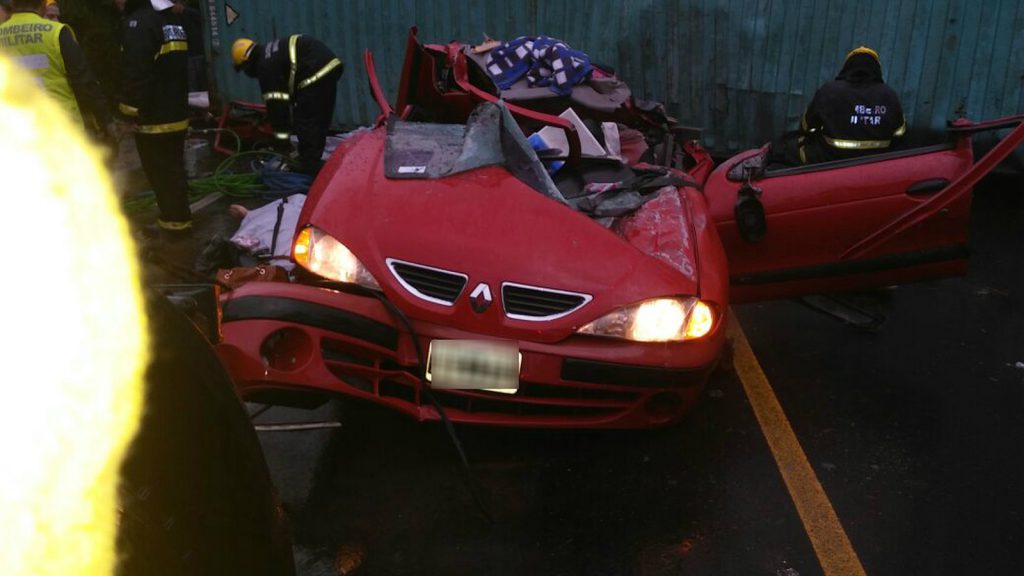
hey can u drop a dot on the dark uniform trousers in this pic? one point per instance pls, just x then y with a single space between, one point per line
312 115
163 159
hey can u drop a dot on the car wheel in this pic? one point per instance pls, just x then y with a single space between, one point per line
196 495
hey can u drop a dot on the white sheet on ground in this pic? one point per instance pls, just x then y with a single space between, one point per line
256 233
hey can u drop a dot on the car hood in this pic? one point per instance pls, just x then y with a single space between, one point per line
489 226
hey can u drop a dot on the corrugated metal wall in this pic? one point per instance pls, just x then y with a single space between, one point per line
741 69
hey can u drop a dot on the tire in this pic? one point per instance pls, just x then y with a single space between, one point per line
196 494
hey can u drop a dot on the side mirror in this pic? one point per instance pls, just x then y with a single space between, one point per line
749 212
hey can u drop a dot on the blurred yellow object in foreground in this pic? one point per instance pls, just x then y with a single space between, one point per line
73 346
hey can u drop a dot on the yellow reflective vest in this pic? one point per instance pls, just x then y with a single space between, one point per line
34 43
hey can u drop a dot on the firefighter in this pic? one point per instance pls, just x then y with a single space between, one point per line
49 51
155 96
298 77
853 115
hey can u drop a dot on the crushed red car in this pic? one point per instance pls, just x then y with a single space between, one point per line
450 265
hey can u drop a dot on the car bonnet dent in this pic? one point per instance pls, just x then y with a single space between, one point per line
661 228
487 225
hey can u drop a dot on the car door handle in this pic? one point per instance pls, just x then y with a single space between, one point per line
925 187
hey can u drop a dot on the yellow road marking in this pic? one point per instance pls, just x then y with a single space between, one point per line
827 536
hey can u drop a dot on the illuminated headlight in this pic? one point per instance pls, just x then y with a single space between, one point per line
658 320
318 252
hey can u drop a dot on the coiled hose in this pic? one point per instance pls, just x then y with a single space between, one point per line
264 177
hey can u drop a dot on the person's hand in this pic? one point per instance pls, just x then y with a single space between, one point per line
111 135
122 127
108 138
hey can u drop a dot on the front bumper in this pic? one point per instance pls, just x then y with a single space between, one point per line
290 338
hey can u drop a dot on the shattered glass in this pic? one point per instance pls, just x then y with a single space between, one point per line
417 150
490 137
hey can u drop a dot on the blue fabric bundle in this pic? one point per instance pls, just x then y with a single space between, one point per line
544 61
279 184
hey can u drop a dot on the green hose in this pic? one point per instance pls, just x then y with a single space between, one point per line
233 185
244 185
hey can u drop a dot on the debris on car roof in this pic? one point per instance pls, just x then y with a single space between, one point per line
490 137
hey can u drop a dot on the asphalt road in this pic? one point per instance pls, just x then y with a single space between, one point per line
916 430
912 430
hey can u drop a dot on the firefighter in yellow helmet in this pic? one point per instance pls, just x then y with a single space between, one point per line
298 77
853 115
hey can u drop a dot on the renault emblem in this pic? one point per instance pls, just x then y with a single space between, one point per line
481 298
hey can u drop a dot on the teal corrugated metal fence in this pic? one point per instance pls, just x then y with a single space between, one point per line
741 69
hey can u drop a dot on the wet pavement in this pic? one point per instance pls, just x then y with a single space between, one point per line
914 431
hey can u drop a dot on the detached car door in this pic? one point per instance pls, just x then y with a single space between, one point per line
831 226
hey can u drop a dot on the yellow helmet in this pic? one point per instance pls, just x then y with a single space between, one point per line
864 50
241 50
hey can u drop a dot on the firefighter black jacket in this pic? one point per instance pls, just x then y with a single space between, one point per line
154 69
271 64
855 113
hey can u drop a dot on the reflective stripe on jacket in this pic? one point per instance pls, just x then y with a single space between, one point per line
155 71
34 42
286 66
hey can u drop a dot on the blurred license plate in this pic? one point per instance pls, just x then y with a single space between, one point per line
474 365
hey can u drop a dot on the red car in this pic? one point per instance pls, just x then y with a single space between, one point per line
445 270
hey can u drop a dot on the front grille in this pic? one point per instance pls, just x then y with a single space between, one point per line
532 303
541 391
474 402
431 284
595 372
382 376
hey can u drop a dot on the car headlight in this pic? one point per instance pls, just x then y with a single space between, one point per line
318 252
658 320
